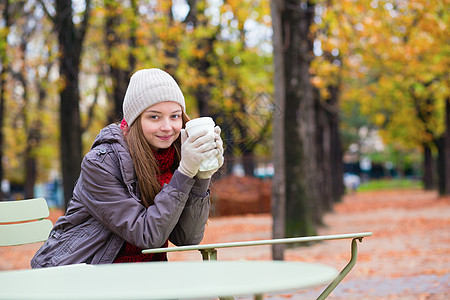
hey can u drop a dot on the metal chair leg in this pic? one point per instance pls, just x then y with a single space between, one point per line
211 254
344 271
208 254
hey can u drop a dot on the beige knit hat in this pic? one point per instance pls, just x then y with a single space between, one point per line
148 87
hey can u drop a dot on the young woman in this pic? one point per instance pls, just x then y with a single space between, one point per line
139 185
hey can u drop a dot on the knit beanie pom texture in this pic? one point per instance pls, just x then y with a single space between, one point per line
148 87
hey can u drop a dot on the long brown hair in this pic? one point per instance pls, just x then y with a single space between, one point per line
145 164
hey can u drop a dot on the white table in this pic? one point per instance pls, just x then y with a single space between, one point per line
162 280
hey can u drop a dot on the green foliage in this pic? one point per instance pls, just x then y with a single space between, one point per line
29 96
389 184
388 59
217 58
406 58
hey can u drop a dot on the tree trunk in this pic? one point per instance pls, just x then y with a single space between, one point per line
336 152
33 138
2 122
32 131
30 174
440 143
337 164
278 181
4 66
120 77
70 45
302 191
248 162
202 93
228 140
295 190
443 144
446 189
323 161
70 135
245 144
428 168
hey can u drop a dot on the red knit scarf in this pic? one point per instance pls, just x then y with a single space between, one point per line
129 252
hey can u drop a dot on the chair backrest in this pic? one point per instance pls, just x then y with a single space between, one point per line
24 222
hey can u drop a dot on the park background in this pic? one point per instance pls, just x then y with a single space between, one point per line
308 93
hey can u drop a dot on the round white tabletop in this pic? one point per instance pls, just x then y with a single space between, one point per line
162 280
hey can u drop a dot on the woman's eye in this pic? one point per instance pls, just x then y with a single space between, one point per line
176 116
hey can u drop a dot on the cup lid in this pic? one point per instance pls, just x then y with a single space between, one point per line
199 121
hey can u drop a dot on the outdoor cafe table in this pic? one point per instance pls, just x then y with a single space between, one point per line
209 251
162 280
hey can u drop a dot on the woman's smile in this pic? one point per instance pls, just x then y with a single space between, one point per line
164 137
161 124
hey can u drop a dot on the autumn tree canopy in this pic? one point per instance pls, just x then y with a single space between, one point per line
384 61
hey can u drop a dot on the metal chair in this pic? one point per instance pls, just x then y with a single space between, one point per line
24 222
209 252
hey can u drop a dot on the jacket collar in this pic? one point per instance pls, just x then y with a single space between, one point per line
113 135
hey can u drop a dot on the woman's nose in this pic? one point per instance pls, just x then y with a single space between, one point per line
166 125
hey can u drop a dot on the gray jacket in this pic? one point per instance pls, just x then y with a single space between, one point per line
106 210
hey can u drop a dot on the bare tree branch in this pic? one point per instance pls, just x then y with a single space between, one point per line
84 24
47 13
91 110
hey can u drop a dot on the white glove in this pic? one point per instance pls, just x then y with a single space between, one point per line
219 155
194 149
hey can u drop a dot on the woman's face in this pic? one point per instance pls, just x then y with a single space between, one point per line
161 124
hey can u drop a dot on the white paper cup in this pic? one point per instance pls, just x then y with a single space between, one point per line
196 125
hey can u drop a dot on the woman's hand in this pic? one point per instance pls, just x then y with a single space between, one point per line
219 146
194 149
